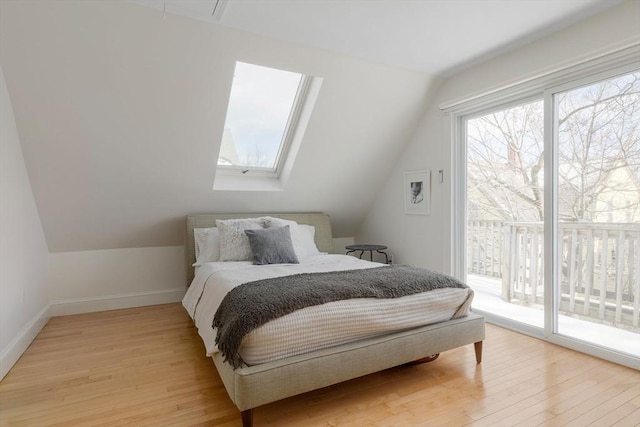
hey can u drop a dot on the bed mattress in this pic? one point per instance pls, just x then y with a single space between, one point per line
315 327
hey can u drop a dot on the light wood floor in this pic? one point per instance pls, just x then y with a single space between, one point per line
146 367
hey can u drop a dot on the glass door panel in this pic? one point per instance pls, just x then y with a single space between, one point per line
598 224
505 212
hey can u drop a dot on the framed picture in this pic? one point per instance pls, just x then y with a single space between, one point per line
417 192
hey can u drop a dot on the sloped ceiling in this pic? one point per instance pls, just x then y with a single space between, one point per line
120 110
432 36
120 113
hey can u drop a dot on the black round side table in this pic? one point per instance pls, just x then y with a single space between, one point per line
368 248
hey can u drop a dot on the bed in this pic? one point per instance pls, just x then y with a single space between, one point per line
270 376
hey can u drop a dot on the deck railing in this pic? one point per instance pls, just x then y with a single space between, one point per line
599 266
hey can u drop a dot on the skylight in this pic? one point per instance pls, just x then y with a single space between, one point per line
260 118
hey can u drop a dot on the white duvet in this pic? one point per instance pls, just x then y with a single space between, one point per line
316 327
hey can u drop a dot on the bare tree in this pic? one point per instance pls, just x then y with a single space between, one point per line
505 162
598 147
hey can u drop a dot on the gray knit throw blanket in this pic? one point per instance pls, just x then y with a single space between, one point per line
251 305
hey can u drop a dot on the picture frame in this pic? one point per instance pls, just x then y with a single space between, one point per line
417 192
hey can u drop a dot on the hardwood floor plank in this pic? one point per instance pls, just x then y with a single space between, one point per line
616 415
146 367
629 421
605 406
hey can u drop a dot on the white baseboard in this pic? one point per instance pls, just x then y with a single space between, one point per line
10 355
115 302
12 352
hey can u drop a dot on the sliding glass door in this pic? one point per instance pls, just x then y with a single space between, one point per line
552 198
505 212
597 138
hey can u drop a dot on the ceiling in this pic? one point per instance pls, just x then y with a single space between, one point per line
438 37
120 108
120 113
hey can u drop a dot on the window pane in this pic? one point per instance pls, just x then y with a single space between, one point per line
259 108
598 141
505 212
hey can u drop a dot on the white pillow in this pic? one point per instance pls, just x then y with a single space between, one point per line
234 244
307 234
302 236
207 243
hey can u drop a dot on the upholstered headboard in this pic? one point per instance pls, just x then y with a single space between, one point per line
322 223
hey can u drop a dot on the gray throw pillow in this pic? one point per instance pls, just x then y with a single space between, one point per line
272 246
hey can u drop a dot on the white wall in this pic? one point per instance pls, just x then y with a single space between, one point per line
23 249
427 240
121 111
87 281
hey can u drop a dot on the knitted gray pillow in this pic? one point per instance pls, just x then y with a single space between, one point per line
234 245
272 246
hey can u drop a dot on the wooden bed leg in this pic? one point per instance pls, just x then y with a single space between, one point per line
478 348
247 418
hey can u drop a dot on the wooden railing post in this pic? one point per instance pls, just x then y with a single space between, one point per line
636 288
604 259
506 263
619 274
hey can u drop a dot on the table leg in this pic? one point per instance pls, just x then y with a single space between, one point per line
386 257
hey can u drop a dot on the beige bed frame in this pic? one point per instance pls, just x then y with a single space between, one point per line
252 386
